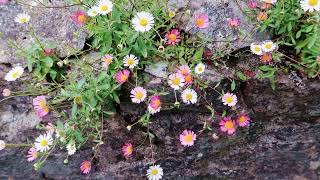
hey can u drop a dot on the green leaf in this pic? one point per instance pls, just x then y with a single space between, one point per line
74 110
241 76
233 85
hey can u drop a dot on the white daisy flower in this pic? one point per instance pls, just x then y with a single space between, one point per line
155 172
2 145
71 148
105 6
199 69
310 5
143 21
229 99
138 95
270 1
256 49
189 96
94 11
176 81
14 73
43 142
22 18
268 46
130 61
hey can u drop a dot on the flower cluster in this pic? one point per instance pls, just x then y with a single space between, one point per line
229 126
264 50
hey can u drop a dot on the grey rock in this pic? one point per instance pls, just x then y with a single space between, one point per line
158 69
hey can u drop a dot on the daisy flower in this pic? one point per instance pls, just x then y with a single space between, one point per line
233 22
270 1
40 106
107 60
155 172
79 17
268 46
94 11
32 154
2 145
154 105
105 6
6 92
201 21
310 5
176 81
189 96
138 95
43 142
172 14
262 16
85 167
14 74
199 69
256 49
266 57
243 120
143 21
173 37
188 79
22 18
227 125
253 4
130 61
127 149
229 99
187 138
71 148
122 76
184 70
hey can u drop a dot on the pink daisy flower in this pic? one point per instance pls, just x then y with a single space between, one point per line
40 106
187 138
243 120
184 70
3 1
138 95
253 4
173 37
227 125
107 60
188 79
122 76
79 17
154 105
85 167
201 20
229 99
266 58
233 22
32 154
127 149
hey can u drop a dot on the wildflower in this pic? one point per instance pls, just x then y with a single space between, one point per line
2 145
188 79
127 149
71 148
266 6
262 16
256 49
199 69
155 105
14 74
107 60
43 142
270 1
189 96
3 1
6 92
243 120
184 70
268 46
79 17
201 21
173 37
48 52
161 48
85 167
233 22
143 21
22 18
122 76
130 61
172 14
310 5
105 6
266 57
50 128
229 99
40 106
187 138
253 4
94 11
227 125
176 81
155 172
138 95
32 154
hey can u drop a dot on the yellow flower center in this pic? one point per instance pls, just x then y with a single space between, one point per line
81 18
172 37
139 95
43 105
257 49
229 125
15 74
157 103
23 20
188 78
200 69
189 96
313 2
44 143
123 77
130 61
154 172
268 46
242 119
188 138
129 149
172 14
143 22
176 81
229 99
104 8
200 22
86 165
